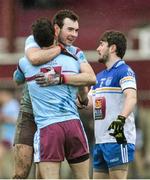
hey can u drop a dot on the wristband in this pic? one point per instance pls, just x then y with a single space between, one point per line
63 79
122 118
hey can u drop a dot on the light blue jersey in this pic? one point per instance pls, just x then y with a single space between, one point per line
56 103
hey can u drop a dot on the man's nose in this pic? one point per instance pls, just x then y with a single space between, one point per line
74 33
98 49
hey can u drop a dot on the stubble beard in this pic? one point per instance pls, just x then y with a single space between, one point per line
103 59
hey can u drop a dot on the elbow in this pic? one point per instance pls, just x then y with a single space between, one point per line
90 80
135 101
33 59
93 80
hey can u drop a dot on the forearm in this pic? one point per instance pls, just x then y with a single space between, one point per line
83 92
39 56
81 79
129 105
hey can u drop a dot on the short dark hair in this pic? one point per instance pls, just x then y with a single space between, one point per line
43 32
62 14
117 38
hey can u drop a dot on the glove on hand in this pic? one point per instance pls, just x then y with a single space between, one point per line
118 126
120 137
49 78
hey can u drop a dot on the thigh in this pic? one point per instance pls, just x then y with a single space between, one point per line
80 170
37 171
76 144
25 129
49 170
119 172
100 175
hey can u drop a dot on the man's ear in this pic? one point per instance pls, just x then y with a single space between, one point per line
57 30
113 48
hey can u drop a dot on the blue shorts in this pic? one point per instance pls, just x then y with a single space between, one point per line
108 155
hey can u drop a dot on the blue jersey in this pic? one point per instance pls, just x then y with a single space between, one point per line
108 101
55 103
30 43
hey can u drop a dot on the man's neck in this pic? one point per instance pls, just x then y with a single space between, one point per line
112 61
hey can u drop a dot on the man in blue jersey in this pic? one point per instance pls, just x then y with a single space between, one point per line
113 99
76 160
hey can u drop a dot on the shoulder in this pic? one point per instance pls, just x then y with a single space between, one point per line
100 74
75 50
23 62
29 38
125 70
30 43
22 59
78 53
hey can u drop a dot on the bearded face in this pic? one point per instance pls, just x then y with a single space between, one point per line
103 51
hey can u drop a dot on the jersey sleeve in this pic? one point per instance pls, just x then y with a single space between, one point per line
78 53
30 43
127 79
81 57
18 75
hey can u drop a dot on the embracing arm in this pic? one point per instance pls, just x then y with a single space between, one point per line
86 77
38 56
82 93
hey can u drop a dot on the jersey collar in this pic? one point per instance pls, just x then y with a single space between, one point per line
117 64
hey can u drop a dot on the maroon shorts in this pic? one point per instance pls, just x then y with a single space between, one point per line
64 139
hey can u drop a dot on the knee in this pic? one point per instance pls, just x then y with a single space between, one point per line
20 176
21 173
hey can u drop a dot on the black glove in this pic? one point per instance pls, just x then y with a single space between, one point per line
120 137
66 52
118 126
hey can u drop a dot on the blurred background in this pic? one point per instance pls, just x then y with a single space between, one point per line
129 16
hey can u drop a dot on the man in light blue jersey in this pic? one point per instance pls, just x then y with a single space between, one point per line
59 130
113 99
66 30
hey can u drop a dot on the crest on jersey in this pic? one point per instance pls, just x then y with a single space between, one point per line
108 81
